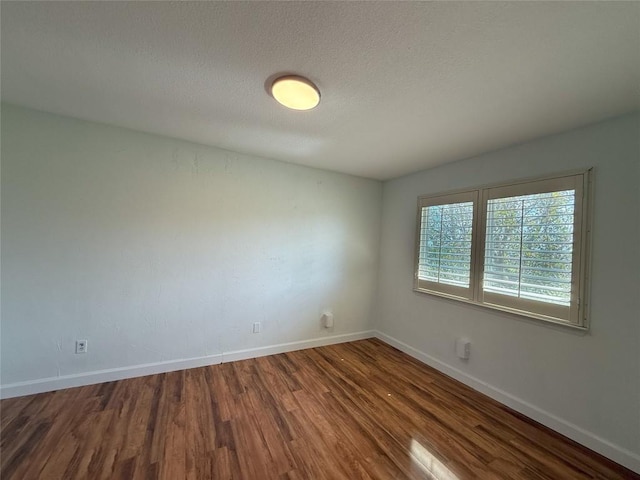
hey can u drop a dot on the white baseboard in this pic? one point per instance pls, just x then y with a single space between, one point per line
20 389
291 346
616 453
31 387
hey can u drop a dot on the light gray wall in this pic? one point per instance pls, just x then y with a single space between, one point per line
591 381
156 249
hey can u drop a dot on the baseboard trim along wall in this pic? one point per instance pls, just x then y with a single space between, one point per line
588 439
290 347
31 387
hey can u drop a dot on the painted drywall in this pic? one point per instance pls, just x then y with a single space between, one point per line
156 250
162 253
590 381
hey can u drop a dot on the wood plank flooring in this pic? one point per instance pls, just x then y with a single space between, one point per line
360 410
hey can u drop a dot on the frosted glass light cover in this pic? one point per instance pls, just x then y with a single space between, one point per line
296 93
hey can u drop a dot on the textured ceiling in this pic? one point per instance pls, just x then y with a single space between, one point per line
405 86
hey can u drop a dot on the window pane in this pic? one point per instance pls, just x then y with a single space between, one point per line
529 246
445 244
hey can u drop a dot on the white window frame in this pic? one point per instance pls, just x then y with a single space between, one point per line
576 314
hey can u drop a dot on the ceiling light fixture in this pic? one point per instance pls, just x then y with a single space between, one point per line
297 93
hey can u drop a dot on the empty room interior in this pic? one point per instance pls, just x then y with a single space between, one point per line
320 240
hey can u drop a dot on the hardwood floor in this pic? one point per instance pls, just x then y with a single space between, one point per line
350 411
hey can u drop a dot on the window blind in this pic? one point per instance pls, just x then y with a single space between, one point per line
445 244
529 246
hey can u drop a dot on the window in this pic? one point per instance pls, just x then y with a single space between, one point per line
445 246
520 247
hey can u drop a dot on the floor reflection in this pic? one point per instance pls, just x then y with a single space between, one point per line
429 464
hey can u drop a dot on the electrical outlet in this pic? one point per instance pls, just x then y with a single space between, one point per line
81 346
256 327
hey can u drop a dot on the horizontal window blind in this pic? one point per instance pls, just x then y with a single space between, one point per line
445 244
529 246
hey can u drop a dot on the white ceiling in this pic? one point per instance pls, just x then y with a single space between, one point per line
405 86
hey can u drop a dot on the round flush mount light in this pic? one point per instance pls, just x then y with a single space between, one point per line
297 93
